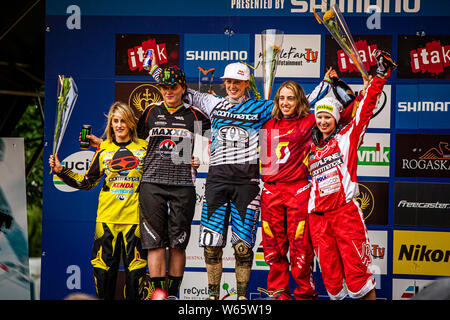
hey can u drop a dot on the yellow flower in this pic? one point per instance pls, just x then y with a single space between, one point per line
276 48
328 15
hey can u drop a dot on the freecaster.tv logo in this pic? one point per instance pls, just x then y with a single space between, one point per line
136 54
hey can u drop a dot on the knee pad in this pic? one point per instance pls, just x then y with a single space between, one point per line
213 255
243 255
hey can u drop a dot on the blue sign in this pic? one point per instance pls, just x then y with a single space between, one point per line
214 51
424 106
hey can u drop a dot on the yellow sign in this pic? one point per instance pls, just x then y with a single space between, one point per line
421 252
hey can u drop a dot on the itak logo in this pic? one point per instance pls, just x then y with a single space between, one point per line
432 58
374 156
367 53
136 54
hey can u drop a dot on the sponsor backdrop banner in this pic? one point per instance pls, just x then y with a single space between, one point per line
422 204
425 106
422 155
366 46
426 56
421 253
404 156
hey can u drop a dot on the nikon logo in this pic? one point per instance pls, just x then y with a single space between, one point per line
422 253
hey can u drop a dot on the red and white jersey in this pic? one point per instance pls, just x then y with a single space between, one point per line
333 165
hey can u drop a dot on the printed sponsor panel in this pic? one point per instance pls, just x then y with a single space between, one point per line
422 204
264 8
366 46
131 48
195 286
78 162
373 200
423 57
379 245
406 289
196 259
374 155
421 253
213 51
423 106
381 118
422 155
138 95
299 56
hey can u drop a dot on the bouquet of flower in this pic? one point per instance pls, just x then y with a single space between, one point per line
252 82
334 21
67 96
271 41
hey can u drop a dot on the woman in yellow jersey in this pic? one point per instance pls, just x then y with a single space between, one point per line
119 159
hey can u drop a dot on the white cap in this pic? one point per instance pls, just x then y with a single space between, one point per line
236 70
330 105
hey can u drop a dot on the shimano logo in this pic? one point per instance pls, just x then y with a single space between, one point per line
216 55
423 106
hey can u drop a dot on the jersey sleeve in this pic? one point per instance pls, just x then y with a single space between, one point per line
319 92
142 130
204 101
87 181
367 105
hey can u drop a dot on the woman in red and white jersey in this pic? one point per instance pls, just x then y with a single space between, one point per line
336 223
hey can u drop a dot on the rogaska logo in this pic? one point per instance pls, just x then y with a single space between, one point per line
435 158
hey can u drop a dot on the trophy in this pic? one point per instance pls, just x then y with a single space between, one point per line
334 21
67 96
271 41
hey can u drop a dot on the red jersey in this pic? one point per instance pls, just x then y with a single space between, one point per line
333 165
285 149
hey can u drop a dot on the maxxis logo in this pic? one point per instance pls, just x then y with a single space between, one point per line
78 162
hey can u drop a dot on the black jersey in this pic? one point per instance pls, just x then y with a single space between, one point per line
171 142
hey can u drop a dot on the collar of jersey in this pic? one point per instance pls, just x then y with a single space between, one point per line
173 109
121 144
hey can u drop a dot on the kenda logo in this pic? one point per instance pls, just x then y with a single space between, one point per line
374 156
78 162
216 55
423 106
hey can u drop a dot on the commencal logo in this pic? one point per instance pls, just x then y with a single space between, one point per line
374 156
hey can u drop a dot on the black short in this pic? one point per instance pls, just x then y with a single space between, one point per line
166 214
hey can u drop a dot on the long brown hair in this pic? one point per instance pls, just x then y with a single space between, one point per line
127 114
302 108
